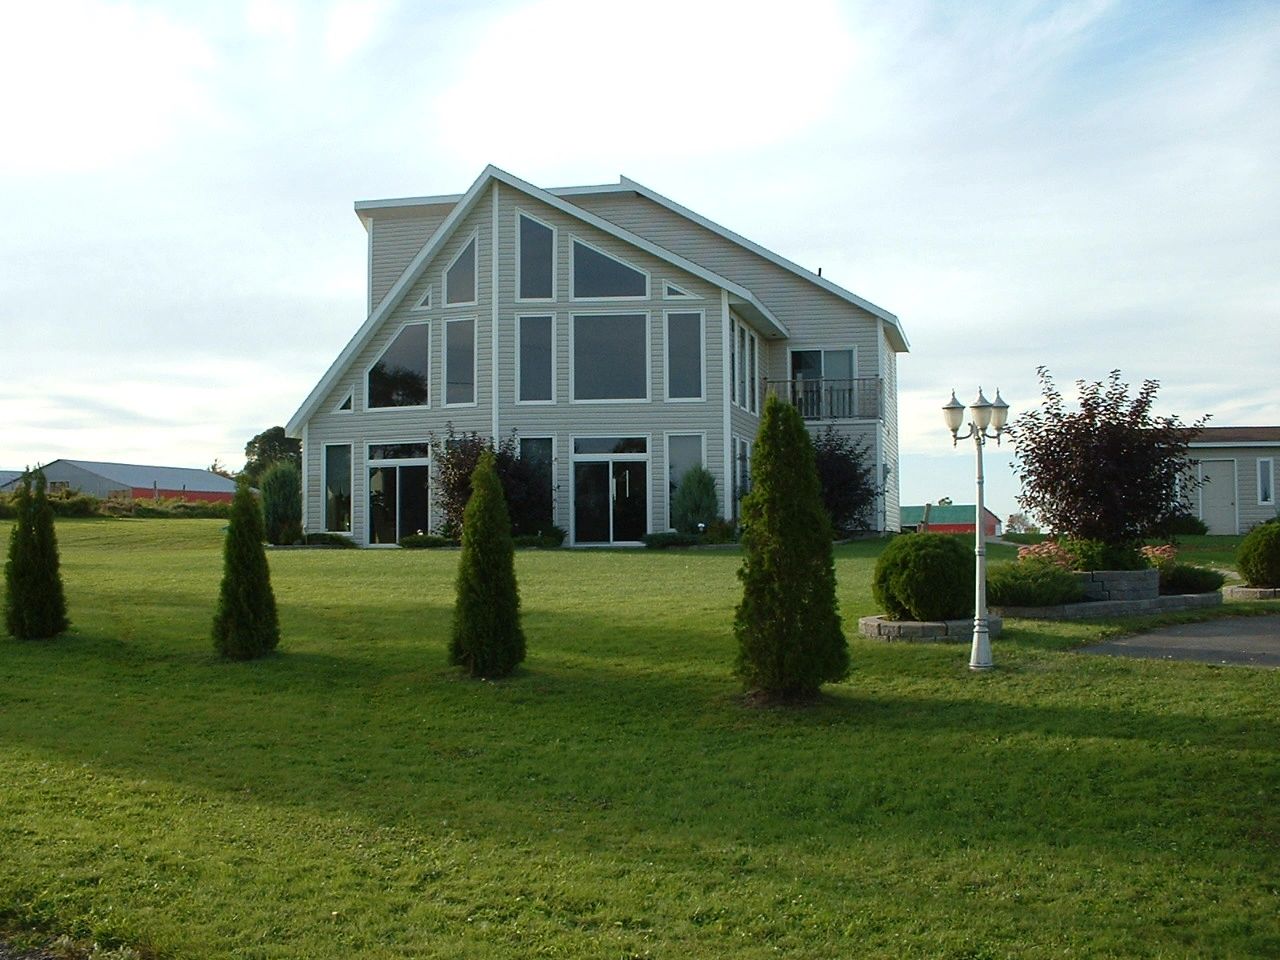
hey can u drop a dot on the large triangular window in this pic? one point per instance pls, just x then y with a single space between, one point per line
460 278
400 376
597 275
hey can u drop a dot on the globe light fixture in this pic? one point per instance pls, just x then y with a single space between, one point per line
987 421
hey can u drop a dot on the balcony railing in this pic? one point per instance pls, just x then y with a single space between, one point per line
858 399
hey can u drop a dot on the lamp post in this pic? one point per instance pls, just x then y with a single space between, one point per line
983 415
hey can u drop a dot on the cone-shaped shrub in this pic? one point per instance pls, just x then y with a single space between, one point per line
694 501
245 625
788 627
35 605
486 639
282 503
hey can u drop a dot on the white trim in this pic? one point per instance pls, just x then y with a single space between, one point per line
422 406
626 184
1271 470
408 202
666 462
494 256
648 359
445 231
351 486
573 280
609 458
382 463
666 356
532 315
306 452
424 301
555 248
726 381
475 273
1227 444
369 270
475 362
680 294
1235 485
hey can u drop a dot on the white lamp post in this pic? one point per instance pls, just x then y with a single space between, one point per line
983 415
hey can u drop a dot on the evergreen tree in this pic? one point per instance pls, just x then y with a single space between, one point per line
282 503
35 605
790 641
695 501
245 625
486 638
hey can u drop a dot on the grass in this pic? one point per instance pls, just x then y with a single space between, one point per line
354 797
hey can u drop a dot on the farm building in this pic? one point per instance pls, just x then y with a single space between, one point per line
1237 467
947 518
133 481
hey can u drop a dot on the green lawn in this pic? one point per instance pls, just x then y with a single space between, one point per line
354 797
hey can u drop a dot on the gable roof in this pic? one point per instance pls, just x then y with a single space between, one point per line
8 476
744 301
627 185
136 475
1236 435
946 513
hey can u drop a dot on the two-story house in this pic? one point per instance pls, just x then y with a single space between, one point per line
621 336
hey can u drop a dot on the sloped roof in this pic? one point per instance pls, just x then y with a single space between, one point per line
165 478
942 513
1237 435
745 302
8 476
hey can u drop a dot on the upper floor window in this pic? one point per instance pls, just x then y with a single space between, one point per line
671 292
744 367
1266 481
460 361
424 301
597 275
684 356
611 357
536 259
400 376
460 278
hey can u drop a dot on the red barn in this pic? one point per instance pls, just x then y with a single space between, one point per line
948 518
133 481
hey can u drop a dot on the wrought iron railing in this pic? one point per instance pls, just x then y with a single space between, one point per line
858 399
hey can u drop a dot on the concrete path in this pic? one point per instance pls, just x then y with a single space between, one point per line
1242 641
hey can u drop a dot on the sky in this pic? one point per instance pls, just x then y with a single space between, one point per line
1086 185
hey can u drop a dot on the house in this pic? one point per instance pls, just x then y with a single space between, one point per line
132 481
622 337
948 518
1238 468
7 477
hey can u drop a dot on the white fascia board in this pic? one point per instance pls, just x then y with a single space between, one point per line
387 304
407 202
626 184
1227 444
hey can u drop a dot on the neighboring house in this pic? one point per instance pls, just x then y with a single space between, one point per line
620 336
948 518
132 481
1238 468
8 476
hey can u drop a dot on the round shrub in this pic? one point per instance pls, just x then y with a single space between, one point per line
1032 583
1179 578
1096 555
1258 557
925 576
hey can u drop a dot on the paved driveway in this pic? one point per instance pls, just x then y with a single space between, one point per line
1243 641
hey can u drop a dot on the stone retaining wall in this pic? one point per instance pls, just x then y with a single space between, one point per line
917 631
1120 584
1251 593
1114 608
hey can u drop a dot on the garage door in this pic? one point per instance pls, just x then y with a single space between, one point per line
1218 495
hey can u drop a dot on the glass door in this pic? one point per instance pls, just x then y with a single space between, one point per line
591 502
630 514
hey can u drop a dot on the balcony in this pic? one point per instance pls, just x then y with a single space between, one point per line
858 399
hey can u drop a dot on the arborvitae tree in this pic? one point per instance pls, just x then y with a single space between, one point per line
486 639
35 605
245 625
694 501
282 503
790 641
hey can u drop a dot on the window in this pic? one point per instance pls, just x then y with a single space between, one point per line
460 361
753 376
536 260
740 380
824 385
610 445
535 371
460 278
597 275
345 405
400 376
671 292
540 453
611 357
419 450
1266 481
741 473
337 487
424 302
684 452
684 356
